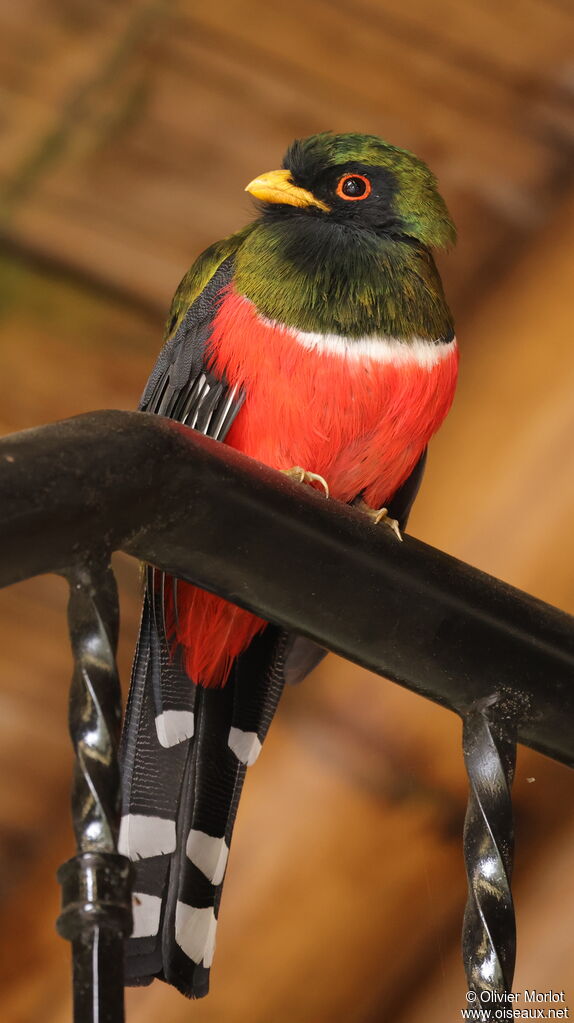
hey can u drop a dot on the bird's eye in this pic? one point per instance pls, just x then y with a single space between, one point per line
353 186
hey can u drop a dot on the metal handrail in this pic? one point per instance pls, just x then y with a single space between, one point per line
73 492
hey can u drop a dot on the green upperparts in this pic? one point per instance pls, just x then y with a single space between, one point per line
342 244
199 275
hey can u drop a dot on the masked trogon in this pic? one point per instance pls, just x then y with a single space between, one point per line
318 337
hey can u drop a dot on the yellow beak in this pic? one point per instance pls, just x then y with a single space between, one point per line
277 186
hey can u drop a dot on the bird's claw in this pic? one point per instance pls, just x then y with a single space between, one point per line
303 476
382 515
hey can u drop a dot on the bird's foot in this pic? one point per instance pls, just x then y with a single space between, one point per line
377 515
302 476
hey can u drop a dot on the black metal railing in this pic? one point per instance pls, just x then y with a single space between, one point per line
74 492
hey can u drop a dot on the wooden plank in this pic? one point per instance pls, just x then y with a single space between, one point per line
523 41
136 186
65 350
58 62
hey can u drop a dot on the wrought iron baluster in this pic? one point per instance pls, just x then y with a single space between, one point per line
489 930
96 903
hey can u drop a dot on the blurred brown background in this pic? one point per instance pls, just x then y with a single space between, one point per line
129 130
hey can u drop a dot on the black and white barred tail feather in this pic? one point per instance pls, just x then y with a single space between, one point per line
181 801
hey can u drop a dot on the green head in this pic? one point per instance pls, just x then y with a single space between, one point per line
360 181
344 240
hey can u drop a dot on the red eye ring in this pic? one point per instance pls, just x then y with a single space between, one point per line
357 178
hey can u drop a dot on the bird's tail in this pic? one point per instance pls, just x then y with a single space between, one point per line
185 750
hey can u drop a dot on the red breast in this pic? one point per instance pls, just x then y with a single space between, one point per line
357 412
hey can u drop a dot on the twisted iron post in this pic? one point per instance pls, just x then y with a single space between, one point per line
96 903
489 930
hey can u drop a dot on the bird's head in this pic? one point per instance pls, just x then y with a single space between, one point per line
361 181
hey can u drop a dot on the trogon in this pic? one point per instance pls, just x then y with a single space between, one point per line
316 339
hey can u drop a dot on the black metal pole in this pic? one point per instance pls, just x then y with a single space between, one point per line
96 900
489 928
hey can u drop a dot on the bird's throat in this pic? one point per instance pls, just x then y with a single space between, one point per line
316 276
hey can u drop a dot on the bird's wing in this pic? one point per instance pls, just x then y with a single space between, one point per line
402 501
184 748
181 386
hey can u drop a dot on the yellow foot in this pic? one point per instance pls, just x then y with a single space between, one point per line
380 515
302 476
